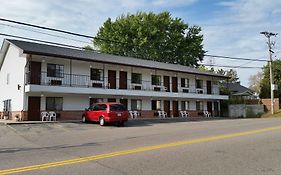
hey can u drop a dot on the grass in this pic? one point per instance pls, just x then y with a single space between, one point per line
268 114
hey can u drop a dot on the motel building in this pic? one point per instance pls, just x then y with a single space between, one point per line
38 77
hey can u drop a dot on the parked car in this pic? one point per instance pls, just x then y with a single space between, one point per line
106 113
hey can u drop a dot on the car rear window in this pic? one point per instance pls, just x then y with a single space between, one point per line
117 107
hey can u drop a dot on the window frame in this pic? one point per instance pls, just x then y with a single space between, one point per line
156 80
138 80
138 105
186 82
57 71
54 106
186 105
201 84
99 72
201 106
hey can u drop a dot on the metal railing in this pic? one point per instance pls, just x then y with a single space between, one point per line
75 80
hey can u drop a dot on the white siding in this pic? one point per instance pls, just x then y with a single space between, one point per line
13 66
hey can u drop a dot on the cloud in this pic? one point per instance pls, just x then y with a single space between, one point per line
236 32
233 30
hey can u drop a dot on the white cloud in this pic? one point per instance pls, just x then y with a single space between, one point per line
234 31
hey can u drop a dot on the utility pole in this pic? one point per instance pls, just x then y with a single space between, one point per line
268 35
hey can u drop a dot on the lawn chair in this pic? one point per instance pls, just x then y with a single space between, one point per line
44 116
52 116
206 114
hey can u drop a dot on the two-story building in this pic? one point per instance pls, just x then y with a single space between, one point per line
38 77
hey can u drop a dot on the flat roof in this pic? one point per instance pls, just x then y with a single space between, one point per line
86 55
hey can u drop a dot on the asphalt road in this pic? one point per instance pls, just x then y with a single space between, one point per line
219 147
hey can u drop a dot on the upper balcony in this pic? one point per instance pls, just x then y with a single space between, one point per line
74 80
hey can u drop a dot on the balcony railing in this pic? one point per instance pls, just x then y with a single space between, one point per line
74 80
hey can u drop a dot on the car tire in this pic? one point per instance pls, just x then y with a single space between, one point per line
84 120
102 121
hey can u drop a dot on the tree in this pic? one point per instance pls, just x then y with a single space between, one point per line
157 37
265 82
232 74
255 81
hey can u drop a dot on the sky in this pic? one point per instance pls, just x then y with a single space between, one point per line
230 27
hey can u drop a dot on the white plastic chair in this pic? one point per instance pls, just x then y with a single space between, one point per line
136 114
44 116
184 114
52 116
132 114
207 114
162 114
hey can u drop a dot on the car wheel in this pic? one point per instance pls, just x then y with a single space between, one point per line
102 122
84 120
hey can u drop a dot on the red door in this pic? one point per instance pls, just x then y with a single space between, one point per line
34 108
112 79
123 80
167 83
35 72
174 84
175 108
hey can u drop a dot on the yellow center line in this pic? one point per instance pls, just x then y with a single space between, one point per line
131 151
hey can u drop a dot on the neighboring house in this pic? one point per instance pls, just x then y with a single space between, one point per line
240 92
38 77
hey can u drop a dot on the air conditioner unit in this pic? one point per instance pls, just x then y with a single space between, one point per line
185 90
137 87
199 91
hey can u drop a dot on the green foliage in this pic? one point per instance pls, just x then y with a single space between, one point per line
232 74
265 82
157 37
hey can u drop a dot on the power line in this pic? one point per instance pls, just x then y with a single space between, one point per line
21 28
43 41
227 66
233 58
111 41
80 48
59 30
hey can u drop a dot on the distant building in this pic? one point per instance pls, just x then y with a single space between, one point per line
240 92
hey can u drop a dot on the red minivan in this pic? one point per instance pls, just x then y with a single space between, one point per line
106 113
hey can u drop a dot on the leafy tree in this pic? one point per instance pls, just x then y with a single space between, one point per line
265 82
255 81
152 36
230 73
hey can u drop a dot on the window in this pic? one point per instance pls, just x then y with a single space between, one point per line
184 105
55 70
95 100
156 80
99 107
117 107
156 104
136 104
96 74
199 84
7 105
54 103
199 106
185 82
136 78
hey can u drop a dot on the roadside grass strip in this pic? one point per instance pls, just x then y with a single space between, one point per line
132 151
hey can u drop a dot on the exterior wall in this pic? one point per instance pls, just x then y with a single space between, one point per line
83 68
74 105
242 110
13 67
267 104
